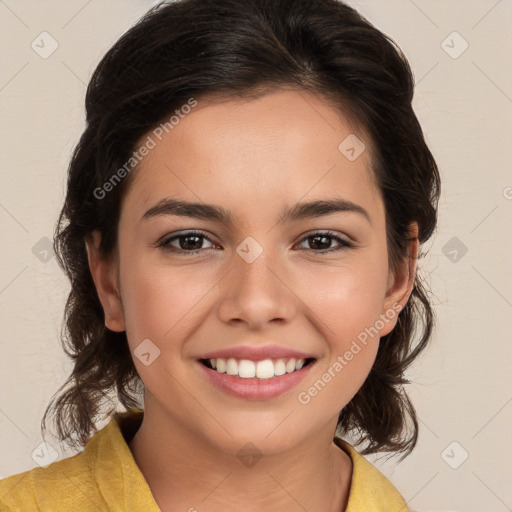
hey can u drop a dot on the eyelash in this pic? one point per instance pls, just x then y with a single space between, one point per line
344 244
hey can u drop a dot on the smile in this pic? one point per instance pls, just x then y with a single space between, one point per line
248 369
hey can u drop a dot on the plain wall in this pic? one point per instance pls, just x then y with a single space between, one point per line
462 386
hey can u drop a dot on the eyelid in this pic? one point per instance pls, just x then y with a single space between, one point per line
330 232
164 241
345 242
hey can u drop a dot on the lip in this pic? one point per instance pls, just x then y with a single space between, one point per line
254 389
257 353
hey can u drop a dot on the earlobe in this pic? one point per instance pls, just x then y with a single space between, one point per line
401 282
103 272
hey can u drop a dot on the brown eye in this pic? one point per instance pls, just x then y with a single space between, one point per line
187 242
321 242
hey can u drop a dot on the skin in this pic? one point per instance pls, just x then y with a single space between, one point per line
253 157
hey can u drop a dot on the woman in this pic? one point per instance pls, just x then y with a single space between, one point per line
241 229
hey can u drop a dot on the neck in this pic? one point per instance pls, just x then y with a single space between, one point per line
186 472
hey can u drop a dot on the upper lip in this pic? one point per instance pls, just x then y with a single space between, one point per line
256 353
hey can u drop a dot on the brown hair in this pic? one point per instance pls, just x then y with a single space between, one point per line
235 48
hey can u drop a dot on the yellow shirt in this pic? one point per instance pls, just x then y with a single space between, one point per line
105 477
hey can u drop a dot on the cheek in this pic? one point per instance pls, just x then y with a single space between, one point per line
348 300
159 302
347 304
347 316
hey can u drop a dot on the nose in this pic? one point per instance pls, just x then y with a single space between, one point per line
257 293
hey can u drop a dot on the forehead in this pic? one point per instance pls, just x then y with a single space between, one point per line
254 153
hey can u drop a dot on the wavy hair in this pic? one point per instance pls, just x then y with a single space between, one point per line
242 48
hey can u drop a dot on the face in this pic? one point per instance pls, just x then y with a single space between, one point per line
255 276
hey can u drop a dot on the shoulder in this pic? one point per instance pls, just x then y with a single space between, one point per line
370 490
41 488
103 476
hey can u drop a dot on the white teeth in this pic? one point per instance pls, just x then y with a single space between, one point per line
290 366
265 369
279 367
220 365
248 369
231 366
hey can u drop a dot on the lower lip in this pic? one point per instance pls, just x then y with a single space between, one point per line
255 389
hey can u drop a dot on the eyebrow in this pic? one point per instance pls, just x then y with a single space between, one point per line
319 208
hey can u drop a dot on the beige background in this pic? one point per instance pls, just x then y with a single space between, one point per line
462 386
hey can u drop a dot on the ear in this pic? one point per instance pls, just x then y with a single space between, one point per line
104 274
401 283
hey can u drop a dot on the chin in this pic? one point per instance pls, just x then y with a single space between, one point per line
264 437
